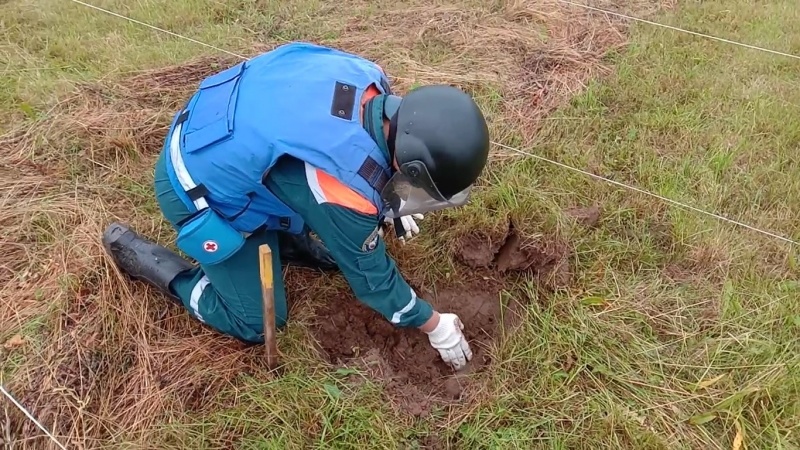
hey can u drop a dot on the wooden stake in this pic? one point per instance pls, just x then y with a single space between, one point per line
268 304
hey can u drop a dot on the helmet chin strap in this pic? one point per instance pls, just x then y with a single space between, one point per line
392 135
390 107
375 111
374 114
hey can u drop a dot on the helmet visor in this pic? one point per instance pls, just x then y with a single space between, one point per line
411 191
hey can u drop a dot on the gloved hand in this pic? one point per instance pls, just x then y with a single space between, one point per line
448 339
409 224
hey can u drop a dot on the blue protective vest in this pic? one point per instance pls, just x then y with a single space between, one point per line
299 99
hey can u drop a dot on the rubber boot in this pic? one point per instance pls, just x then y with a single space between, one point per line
305 251
143 259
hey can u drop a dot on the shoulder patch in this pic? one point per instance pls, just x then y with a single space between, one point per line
344 99
371 241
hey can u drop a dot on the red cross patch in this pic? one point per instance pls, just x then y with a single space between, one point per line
210 246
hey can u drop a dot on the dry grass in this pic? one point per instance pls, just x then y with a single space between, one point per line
108 359
532 54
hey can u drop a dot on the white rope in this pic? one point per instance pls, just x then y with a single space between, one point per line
642 191
607 180
682 30
580 5
157 28
30 416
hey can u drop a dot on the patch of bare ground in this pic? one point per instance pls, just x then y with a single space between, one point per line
587 216
545 258
413 375
111 359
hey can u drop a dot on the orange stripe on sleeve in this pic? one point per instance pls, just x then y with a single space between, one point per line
340 194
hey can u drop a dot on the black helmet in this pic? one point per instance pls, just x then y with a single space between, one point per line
440 140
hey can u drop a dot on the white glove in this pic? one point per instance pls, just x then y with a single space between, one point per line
409 224
448 339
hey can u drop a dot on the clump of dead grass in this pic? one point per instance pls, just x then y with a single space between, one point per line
531 54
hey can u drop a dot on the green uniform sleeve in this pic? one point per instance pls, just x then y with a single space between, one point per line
352 239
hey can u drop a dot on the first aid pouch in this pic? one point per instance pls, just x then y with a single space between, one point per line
208 238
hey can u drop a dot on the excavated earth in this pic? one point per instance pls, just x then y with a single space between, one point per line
411 371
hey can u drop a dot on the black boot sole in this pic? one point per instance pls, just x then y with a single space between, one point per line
142 259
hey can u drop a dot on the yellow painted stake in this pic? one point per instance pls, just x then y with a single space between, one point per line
268 304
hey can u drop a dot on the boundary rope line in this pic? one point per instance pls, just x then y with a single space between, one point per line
30 416
158 29
651 194
682 30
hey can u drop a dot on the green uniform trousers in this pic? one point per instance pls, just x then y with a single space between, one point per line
225 296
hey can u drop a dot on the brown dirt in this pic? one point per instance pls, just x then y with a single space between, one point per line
588 217
478 249
545 258
413 373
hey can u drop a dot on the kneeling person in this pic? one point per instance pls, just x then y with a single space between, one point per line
305 138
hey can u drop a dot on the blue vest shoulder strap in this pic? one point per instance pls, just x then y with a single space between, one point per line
300 99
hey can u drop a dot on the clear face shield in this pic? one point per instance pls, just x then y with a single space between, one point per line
411 191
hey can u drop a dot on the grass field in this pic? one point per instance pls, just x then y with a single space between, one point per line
653 328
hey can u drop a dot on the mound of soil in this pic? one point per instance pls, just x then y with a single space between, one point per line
588 217
546 259
478 249
411 370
